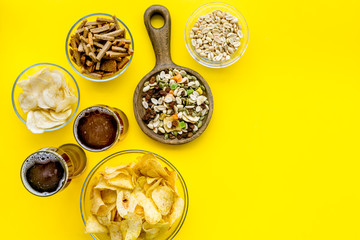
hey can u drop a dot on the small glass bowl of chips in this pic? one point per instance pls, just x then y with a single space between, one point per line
116 161
42 93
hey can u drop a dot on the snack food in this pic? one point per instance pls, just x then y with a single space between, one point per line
97 128
47 99
176 104
100 47
135 201
216 36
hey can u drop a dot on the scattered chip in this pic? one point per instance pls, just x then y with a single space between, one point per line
135 201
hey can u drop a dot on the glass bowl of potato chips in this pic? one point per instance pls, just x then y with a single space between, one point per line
45 97
134 194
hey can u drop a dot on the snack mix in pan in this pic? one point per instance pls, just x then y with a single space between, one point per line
176 104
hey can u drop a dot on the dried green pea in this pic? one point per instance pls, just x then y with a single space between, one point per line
146 83
166 136
202 87
202 117
200 123
174 133
161 85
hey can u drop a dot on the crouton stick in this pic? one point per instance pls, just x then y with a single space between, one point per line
122 63
97 67
103 50
100 29
84 39
119 49
99 45
117 26
104 37
93 56
90 37
128 41
101 19
86 32
116 33
82 24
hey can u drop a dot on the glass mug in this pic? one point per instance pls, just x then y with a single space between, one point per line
50 170
100 127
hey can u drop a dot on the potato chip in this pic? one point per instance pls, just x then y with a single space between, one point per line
150 180
106 220
98 207
102 184
154 230
149 166
152 187
163 198
30 123
151 213
42 121
177 210
116 173
134 227
27 102
61 115
93 226
141 181
47 95
108 196
109 170
105 210
121 181
122 202
115 233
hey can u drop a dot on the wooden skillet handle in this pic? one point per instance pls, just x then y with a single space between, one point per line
160 37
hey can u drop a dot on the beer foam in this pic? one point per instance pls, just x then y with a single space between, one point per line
93 109
41 157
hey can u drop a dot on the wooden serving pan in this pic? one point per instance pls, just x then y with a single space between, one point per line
160 39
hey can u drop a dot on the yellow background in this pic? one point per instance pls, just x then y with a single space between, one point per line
280 159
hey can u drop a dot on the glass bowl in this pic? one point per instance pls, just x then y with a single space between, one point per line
16 90
126 157
206 9
92 17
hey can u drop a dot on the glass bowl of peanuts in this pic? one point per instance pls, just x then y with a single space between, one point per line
216 35
99 47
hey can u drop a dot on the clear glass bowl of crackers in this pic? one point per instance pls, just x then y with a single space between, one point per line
134 194
99 47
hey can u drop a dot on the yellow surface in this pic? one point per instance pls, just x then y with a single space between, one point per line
280 159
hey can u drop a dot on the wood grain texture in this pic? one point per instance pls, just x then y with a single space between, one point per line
160 39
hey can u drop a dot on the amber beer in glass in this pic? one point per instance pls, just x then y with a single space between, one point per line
51 169
100 127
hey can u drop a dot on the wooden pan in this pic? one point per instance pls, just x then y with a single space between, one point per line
160 39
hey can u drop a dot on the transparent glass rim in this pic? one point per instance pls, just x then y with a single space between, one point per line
136 151
208 63
72 64
39 64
